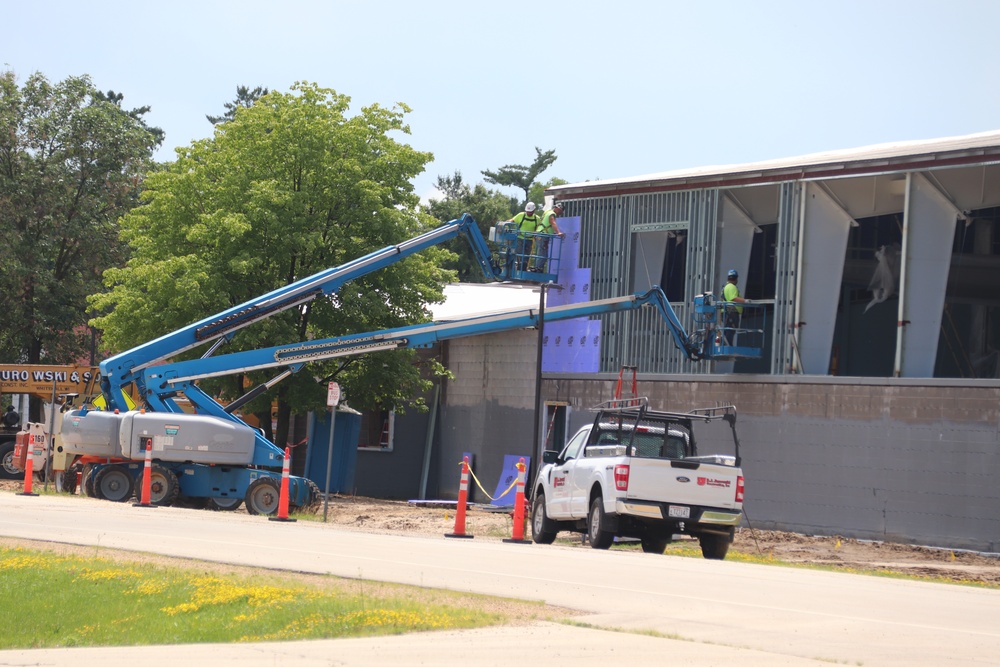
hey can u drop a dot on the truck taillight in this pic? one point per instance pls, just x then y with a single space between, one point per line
739 489
621 478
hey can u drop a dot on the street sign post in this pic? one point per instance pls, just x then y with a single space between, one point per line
332 399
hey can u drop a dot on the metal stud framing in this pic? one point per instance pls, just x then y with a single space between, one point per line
639 337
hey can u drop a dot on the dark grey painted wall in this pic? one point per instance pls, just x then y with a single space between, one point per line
486 410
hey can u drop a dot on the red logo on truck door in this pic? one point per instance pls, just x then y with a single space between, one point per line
708 481
558 481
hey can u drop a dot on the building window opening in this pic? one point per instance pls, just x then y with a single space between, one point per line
377 430
660 258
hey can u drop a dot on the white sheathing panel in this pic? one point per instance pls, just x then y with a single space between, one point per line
823 246
737 241
928 236
734 253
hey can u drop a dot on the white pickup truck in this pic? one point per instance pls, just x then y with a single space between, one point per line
636 473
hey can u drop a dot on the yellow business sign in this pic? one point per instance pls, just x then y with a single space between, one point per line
40 379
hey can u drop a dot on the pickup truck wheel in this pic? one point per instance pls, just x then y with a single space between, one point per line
543 530
654 545
714 546
596 522
7 469
262 496
223 504
113 483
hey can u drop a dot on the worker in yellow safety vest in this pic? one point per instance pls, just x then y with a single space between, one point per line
527 223
547 225
731 294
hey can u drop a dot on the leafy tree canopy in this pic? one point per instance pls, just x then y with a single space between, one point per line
71 163
289 187
137 113
484 205
245 98
521 176
537 192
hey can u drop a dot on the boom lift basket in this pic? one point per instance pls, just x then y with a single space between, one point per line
735 331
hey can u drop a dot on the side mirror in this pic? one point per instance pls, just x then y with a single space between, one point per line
550 456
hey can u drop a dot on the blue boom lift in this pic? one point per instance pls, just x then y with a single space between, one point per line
213 455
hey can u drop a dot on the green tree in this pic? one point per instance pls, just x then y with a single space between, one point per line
137 113
71 163
537 192
293 186
484 205
520 176
245 98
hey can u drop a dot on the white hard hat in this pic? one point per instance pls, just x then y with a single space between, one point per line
529 207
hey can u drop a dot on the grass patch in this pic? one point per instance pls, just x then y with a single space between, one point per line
50 599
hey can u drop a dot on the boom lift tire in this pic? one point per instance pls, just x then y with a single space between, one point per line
191 502
597 533
543 530
223 504
87 478
65 481
314 496
163 487
262 496
114 483
7 469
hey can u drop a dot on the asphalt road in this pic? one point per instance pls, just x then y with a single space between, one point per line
715 613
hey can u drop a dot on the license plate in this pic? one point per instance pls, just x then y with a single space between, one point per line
679 512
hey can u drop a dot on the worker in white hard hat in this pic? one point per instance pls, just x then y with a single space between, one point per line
527 223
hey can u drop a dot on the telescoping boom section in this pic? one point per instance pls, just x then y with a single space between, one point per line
165 381
506 262
213 454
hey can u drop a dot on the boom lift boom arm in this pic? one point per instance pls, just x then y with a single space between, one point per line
118 371
165 381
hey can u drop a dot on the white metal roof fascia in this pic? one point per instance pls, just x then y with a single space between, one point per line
463 300
870 157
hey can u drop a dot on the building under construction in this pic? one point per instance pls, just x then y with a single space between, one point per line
874 411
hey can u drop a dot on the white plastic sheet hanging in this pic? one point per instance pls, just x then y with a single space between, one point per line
885 280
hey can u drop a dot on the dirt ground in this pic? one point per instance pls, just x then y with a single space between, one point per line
482 522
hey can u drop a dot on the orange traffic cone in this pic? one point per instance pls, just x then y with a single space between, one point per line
283 496
29 474
147 479
463 495
517 534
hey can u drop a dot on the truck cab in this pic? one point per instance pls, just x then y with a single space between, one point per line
637 473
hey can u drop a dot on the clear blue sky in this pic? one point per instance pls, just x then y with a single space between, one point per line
616 88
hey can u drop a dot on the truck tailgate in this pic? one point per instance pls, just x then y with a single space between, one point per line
684 482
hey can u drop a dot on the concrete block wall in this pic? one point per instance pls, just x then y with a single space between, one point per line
487 410
898 460
913 461
489 407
